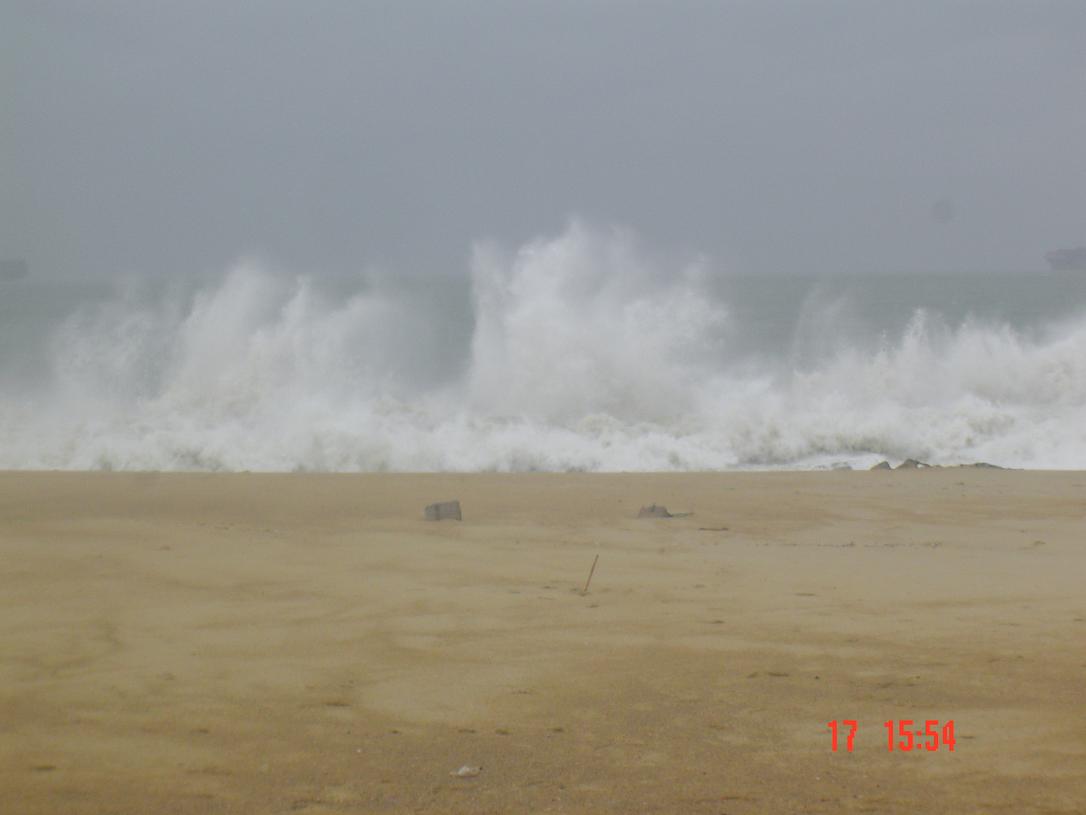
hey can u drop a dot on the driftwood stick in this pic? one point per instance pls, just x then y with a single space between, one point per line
591 572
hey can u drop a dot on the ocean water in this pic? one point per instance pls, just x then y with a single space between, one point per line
579 351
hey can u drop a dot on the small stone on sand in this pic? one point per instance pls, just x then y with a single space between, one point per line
443 510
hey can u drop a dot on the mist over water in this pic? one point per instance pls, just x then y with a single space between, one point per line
581 351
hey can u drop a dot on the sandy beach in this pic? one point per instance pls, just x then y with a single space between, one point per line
212 643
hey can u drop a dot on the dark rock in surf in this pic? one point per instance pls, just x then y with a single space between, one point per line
443 511
912 464
882 465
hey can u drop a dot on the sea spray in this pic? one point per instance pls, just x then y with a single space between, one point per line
581 326
582 351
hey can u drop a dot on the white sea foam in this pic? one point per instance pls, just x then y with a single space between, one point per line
584 354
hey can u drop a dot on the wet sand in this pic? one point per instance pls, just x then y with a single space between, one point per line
308 644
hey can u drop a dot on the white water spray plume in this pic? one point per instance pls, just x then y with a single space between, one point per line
576 352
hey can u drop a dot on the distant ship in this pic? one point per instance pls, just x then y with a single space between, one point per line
1067 260
13 269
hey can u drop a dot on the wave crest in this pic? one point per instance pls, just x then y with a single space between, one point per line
574 352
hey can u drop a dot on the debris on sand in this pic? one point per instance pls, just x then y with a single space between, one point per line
444 510
591 572
466 772
660 511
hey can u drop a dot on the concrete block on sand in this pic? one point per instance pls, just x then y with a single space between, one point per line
444 511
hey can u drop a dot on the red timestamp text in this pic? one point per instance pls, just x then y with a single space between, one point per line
903 735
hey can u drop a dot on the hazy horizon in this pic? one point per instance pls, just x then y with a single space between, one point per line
777 137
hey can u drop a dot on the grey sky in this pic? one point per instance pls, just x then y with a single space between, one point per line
770 136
